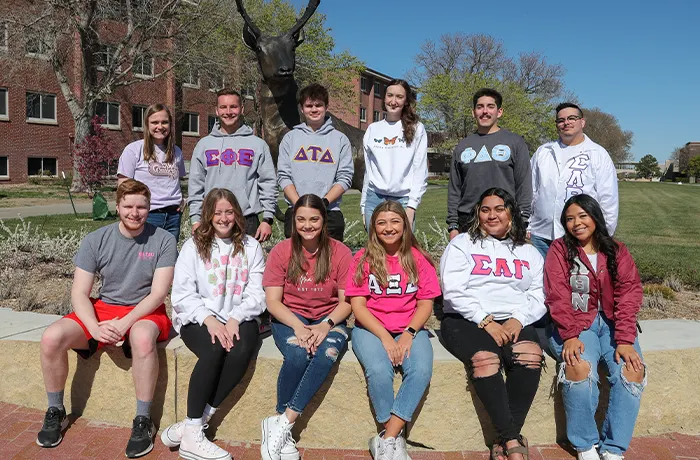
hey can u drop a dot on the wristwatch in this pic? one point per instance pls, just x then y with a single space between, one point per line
330 322
326 203
452 227
269 220
411 331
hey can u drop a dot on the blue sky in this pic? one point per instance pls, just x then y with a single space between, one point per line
639 60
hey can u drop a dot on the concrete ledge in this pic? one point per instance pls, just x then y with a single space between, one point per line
449 419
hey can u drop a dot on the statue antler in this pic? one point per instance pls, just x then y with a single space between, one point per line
310 9
248 22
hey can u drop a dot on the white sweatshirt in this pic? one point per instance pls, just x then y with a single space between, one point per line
488 277
392 167
559 172
227 286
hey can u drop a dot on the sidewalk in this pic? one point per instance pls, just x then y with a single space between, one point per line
85 439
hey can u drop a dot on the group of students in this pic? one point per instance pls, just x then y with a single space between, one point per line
497 287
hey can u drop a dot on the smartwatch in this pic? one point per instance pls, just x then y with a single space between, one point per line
269 221
411 331
452 227
330 322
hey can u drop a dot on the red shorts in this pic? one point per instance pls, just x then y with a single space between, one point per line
105 312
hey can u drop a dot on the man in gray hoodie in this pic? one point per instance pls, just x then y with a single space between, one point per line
232 157
316 158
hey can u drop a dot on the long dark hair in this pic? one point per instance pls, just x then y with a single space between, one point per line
517 231
409 117
297 262
602 240
204 234
375 253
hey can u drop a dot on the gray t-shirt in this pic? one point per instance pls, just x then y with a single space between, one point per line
126 265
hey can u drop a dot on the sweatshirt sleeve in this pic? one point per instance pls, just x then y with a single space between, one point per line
253 297
556 285
365 181
267 183
523 178
454 187
182 172
195 183
419 168
284 164
628 295
188 304
455 269
346 167
535 293
535 181
606 187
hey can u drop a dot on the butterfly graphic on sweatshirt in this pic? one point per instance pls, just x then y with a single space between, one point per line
391 141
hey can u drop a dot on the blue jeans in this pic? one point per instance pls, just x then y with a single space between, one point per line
581 398
167 221
302 374
541 244
417 371
374 199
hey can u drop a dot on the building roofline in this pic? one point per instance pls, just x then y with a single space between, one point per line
376 73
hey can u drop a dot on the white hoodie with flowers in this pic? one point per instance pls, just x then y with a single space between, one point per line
227 286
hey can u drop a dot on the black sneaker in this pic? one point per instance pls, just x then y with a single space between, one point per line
55 422
141 440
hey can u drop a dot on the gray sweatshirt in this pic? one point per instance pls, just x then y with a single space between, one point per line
482 161
240 162
315 161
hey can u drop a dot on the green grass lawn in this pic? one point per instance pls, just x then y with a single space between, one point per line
659 222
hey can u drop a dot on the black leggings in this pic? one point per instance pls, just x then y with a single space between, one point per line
507 403
217 371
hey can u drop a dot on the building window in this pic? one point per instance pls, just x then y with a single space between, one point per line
143 66
138 115
217 84
36 45
190 124
375 116
41 107
363 84
42 167
109 112
211 121
3 35
4 167
104 58
378 89
4 109
191 78
363 114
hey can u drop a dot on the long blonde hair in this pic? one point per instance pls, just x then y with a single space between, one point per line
375 253
148 149
204 234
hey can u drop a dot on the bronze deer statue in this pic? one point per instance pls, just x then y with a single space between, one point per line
278 95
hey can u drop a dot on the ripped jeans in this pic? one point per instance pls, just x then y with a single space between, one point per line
581 398
302 374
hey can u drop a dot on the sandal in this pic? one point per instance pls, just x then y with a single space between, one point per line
522 449
497 451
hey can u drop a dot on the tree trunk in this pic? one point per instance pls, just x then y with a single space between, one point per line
82 129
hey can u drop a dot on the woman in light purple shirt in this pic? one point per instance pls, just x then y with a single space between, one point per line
157 162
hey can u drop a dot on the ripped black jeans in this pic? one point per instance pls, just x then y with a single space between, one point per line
506 401
303 374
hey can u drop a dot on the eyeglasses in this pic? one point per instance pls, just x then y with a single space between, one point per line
571 118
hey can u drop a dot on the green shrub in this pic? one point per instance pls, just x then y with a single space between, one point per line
664 291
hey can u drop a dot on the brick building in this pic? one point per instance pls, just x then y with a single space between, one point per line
37 129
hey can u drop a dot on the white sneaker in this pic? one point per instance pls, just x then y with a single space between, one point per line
610 456
289 448
401 453
195 446
381 448
172 435
590 454
274 436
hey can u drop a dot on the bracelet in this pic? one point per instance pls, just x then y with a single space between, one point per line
484 322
